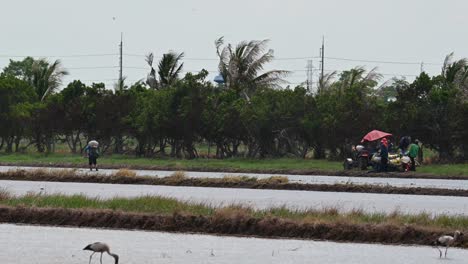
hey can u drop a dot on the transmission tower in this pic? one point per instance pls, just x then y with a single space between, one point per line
310 74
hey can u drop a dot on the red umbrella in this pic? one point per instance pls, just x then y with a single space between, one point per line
375 135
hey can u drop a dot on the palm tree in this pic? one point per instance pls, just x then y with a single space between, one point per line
47 77
241 66
358 76
151 79
120 84
455 73
169 69
326 81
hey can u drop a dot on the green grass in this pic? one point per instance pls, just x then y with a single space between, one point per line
445 169
236 163
167 206
144 204
42 158
233 163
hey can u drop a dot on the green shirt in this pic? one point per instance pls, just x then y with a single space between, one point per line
413 150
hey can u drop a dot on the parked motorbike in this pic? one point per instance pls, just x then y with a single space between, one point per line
361 159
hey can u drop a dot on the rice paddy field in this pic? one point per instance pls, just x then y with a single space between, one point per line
46 245
226 225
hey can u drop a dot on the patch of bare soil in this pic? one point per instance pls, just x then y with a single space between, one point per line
238 224
125 176
344 173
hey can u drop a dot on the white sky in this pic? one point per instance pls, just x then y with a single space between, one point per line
377 30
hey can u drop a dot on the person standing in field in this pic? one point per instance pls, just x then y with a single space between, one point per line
383 154
92 151
413 154
420 152
404 143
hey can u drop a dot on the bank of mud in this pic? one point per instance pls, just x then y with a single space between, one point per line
315 172
178 179
237 224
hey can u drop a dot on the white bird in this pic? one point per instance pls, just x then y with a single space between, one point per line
447 241
99 247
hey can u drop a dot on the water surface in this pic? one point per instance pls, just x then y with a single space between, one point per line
261 199
53 245
310 179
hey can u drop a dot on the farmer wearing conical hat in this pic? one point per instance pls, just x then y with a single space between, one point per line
92 151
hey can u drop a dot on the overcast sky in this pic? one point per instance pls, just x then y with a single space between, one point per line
410 31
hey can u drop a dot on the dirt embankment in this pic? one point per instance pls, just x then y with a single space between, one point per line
224 224
273 183
317 172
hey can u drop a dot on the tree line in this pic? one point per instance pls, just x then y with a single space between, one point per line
247 115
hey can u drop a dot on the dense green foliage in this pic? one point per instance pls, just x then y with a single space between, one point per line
247 116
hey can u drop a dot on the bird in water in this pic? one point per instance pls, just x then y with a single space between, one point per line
447 241
99 247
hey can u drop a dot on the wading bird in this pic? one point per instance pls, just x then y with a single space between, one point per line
99 247
447 241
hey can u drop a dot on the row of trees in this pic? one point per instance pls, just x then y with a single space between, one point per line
246 116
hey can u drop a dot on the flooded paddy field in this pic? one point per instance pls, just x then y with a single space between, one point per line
308 179
54 245
260 199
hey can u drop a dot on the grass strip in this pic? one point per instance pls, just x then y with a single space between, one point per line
164 214
238 165
125 176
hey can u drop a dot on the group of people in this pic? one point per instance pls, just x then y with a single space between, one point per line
407 147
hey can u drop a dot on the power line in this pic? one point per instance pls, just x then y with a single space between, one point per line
92 67
312 57
216 71
59 56
292 71
378 61
216 59
390 74
100 80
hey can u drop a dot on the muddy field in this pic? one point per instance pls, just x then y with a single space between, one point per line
180 179
260 199
47 245
347 173
293 179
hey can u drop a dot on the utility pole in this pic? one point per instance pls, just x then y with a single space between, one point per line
322 62
422 67
323 56
121 62
310 71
